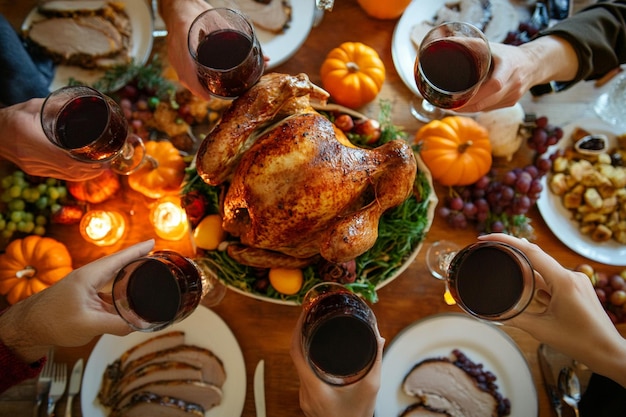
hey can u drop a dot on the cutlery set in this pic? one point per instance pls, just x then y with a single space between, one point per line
565 388
52 384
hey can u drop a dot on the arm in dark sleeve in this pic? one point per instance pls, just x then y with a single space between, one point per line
598 34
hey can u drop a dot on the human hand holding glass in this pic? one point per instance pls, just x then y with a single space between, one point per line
453 59
489 280
91 127
226 51
163 288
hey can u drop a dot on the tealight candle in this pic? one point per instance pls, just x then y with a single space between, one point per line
102 228
169 218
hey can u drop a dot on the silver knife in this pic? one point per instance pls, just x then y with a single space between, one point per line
74 387
259 389
548 379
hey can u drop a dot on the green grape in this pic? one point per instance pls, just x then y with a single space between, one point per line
42 188
62 191
28 227
39 230
54 207
7 182
3 224
51 182
17 205
41 220
42 202
29 217
15 191
53 193
6 233
6 196
11 226
17 216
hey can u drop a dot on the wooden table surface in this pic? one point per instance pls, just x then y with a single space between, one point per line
263 329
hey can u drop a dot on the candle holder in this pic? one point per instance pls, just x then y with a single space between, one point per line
169 218
102 228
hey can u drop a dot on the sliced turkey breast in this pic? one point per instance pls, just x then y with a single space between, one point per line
149 404
190 391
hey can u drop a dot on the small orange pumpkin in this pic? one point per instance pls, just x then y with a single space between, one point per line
32 264
456 150
162 174
353 74
95 190
388 9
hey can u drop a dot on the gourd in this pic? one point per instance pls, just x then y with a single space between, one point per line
456 150
162 174
32 264
387 9
353 74
95 190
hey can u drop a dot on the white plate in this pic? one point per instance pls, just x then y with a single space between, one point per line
280 47
140 15
203 328
437 336
403 50
559 219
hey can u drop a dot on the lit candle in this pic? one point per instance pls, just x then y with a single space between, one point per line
169 218
102 228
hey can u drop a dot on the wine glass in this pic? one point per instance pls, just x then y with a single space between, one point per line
611 106
339 334
489 280
438 258
163 288
452 61
226 51
91 127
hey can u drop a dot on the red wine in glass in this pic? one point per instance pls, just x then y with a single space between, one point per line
226 51
491 280
338 334
91 127
453 60
163 288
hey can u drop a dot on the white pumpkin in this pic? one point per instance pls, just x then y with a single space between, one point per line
504 129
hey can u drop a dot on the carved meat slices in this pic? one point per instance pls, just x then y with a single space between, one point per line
271 15
163 376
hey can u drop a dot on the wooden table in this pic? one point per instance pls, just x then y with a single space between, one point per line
264 329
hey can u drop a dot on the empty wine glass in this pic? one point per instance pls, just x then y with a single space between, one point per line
438 258
163 288
91 127
452 61
226 51
611 105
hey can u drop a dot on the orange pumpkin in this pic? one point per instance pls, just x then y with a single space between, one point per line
353 74
32 264
95 190
162 174
456 150
387 9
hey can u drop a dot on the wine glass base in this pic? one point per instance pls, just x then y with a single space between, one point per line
424 111
131 158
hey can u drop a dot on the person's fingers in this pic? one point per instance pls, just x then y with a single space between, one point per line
112 263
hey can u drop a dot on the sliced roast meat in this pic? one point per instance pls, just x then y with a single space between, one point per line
442 385
212 367
71 7
196 392
422 410
160 371
164 341
149 404
72 39
272 15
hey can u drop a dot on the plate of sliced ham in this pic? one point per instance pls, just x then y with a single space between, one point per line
87 37
195 365
428 340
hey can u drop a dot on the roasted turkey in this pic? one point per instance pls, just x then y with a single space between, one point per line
297 188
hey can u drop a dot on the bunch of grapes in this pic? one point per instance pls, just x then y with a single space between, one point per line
499 203
610 289
28 202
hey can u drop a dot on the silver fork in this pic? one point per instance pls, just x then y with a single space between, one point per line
57 387
43 382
